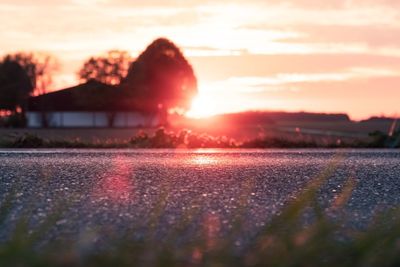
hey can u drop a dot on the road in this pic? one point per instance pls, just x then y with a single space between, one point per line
120 189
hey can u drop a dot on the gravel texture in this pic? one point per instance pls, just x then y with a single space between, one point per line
137 191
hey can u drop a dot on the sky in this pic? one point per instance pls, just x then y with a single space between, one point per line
293 55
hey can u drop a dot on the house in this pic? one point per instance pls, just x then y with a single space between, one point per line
92 104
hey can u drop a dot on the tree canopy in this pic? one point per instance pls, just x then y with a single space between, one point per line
15 86
161 77
110 68
40 68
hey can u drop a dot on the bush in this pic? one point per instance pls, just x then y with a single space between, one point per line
183 139
15 121
28 141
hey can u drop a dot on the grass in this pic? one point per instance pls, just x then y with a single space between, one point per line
187 139
302 234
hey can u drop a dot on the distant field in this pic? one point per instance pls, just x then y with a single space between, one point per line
362 128
249 131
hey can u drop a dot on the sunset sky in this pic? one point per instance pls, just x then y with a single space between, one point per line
312 55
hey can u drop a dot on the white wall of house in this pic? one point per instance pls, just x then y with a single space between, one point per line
91 119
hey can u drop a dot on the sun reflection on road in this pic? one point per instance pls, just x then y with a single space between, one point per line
203 160
116 185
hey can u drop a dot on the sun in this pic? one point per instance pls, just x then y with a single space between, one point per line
203 106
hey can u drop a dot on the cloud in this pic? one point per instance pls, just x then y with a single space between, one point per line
305 4
223 67
21 3
337 4
329 4
374 36
289 81
294 51
360 97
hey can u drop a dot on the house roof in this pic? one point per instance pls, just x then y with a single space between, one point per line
90 96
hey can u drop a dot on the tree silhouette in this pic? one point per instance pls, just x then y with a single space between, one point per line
161 78
15 86
109 69
40 68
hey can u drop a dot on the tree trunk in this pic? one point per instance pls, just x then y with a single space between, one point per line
110 119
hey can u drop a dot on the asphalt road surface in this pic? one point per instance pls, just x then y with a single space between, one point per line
117 190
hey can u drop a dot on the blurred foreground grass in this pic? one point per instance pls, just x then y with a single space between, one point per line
302 234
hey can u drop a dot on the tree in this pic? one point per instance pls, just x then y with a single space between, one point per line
109 69
40 68
161 78
25 74
15 86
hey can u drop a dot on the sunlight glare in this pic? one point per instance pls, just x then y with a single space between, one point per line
203 160
203 106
